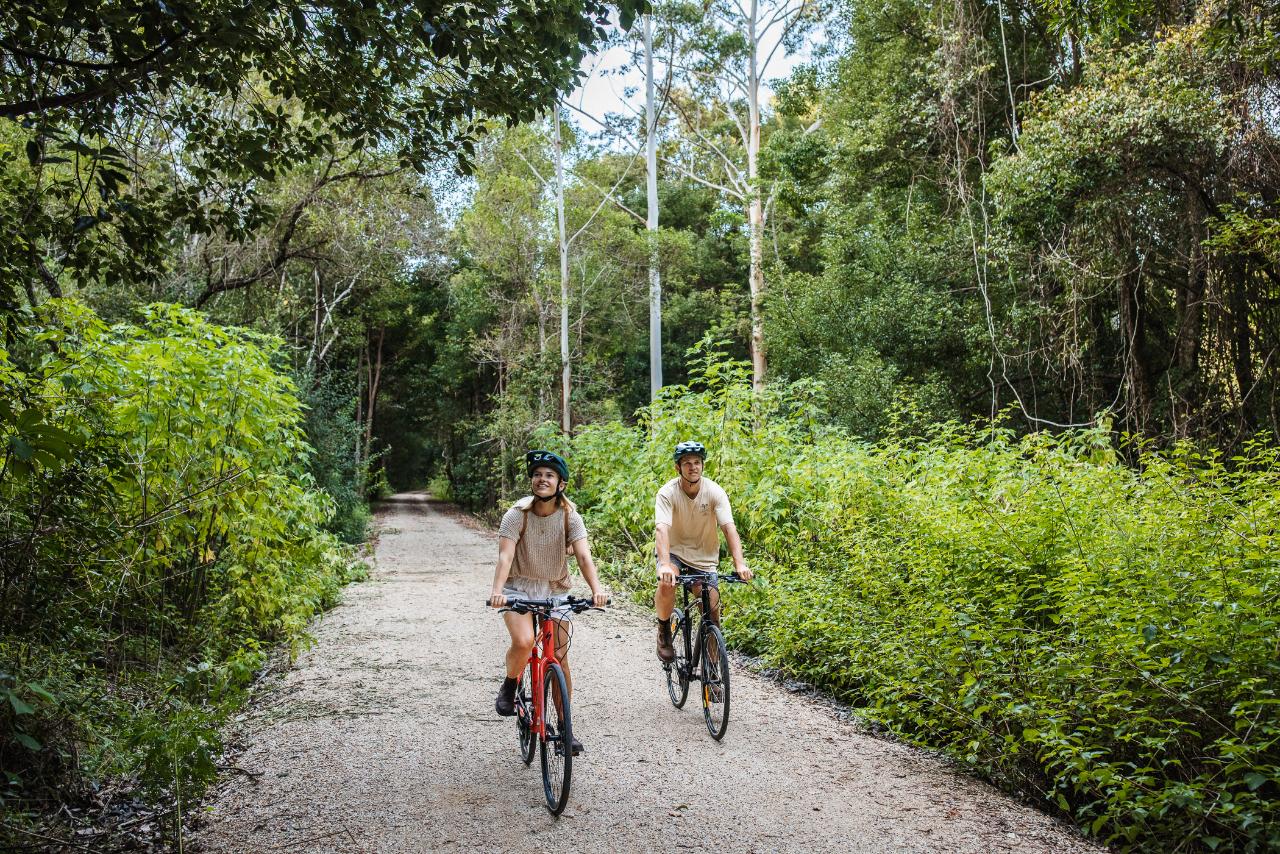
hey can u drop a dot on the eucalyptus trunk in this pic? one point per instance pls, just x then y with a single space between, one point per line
651 222
566 374
755 206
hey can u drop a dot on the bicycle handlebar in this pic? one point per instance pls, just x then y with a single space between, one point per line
524 606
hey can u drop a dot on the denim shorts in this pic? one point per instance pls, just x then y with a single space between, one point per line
684 568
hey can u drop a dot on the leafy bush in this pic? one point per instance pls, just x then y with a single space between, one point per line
1099 635
333 433
159 528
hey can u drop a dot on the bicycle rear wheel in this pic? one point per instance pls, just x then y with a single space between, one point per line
678 670
524 715
557 741
715 682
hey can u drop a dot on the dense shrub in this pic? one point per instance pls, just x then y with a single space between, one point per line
334 434
158 529
1098 634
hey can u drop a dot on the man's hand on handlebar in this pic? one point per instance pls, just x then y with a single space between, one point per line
744 572
667 573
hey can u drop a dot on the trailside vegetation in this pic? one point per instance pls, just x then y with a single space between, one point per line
159 533
1099 635
216 218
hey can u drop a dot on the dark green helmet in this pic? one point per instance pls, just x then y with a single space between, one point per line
533 459
690 448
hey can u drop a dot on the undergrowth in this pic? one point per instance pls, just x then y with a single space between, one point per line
1095 629
159 533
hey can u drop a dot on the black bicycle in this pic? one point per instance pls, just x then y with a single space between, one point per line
700 652
543 720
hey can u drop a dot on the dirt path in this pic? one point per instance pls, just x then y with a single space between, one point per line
383 739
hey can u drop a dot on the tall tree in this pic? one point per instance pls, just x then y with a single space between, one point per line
651 220
246 91
724 51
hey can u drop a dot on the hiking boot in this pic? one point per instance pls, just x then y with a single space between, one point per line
715 692
505 705
666 649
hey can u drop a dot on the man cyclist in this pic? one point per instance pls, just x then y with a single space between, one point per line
687 511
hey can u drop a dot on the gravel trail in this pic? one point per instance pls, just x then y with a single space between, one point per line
383 738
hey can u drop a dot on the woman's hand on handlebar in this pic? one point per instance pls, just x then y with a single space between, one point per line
497 600
599 597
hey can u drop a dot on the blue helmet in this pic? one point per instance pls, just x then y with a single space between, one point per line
533 459
690 448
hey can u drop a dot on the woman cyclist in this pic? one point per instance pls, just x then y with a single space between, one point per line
534 537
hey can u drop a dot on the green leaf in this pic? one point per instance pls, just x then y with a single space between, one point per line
21 449
1255 781
41 692
27 741
20 707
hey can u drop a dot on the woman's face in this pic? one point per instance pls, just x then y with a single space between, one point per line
544 481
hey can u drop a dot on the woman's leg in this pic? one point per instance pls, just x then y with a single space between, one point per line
521 628
563 630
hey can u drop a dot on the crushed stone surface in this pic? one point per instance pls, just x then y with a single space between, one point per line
383 738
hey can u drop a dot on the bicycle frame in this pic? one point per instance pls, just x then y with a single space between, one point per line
693 646
540 658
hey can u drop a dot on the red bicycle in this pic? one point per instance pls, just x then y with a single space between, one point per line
542 687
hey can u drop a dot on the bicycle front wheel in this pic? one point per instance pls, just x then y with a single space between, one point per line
524 715
678 670
557 740
715 682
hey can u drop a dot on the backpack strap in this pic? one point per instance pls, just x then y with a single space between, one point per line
524 523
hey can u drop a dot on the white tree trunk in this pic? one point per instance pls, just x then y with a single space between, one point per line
651 223
566 377
755 207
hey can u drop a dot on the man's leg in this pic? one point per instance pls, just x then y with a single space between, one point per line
713 652
664 602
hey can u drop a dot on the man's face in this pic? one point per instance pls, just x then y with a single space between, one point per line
690 467
544 481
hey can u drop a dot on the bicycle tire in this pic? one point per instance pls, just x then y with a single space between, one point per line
678 670
715 673
557 742
524 716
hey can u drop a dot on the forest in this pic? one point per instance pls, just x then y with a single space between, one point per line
976 305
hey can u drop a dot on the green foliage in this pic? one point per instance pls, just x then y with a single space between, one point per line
1096 635
160 528
333 434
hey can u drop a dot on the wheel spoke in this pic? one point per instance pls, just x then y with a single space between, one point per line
677 672
556 750
715 683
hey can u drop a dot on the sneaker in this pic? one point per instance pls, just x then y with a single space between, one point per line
577 746
715 692
505 705
666 649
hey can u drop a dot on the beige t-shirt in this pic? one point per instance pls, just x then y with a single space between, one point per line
695 522
540 552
